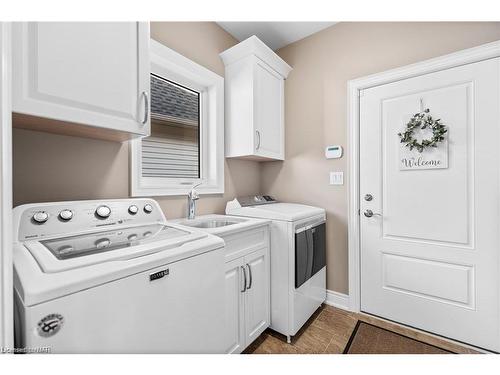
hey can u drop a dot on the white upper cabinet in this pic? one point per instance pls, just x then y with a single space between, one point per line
92 77
255 105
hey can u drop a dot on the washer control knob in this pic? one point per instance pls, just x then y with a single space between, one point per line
132 210
102 243
103 212
40 217
66 215
65 249
148 208
132 237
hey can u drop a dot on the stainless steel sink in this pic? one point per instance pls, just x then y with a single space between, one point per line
211 222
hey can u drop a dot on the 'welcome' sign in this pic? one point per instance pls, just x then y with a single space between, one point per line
430 158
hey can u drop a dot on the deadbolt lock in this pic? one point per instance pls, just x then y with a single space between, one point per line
368 197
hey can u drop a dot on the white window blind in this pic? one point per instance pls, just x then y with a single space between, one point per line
170 158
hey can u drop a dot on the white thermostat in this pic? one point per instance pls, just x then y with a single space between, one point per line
333 152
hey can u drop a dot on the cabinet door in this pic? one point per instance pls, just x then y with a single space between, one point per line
257 296
91 73
234 323
269 112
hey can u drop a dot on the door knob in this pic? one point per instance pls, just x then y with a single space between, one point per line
370 213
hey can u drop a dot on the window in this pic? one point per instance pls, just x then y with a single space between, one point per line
173 149
186 144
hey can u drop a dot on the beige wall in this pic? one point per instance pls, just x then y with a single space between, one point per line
49 167
316 108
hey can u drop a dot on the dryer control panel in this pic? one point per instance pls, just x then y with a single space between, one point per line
255 200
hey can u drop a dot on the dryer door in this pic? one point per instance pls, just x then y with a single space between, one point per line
301 258
310 253
318 243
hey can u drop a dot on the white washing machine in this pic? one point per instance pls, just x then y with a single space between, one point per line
298 258
113 276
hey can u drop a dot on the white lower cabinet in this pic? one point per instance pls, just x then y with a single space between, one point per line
247 299
247 278
257 294
235 309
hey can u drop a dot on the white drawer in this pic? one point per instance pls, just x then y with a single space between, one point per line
244 242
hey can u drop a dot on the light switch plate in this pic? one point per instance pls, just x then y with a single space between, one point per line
336 178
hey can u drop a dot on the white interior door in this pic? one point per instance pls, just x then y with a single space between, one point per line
430 260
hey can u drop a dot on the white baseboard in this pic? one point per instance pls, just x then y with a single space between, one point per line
336 299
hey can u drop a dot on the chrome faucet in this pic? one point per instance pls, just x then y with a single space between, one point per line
192 198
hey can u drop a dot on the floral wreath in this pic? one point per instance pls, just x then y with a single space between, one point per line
423 120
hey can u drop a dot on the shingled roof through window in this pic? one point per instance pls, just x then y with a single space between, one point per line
172 102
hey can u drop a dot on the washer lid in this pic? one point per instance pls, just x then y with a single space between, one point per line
41 277
277 211
75 251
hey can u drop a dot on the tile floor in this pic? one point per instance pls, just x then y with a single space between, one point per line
328 331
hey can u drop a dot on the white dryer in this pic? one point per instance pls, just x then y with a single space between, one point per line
298 258
115 277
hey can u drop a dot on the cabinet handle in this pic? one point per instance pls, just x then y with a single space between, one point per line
146 107
258 139
244 279
249 276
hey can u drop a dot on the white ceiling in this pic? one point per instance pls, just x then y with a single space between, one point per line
274 34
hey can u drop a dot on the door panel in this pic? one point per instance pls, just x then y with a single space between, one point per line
268 112
415 190
257 296
430 260
234 327
418 276
55 45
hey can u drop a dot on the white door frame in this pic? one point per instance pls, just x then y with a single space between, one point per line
6 293
354 88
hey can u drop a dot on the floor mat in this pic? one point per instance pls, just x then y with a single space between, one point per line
369 339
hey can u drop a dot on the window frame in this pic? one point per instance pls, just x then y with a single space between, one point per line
176 68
